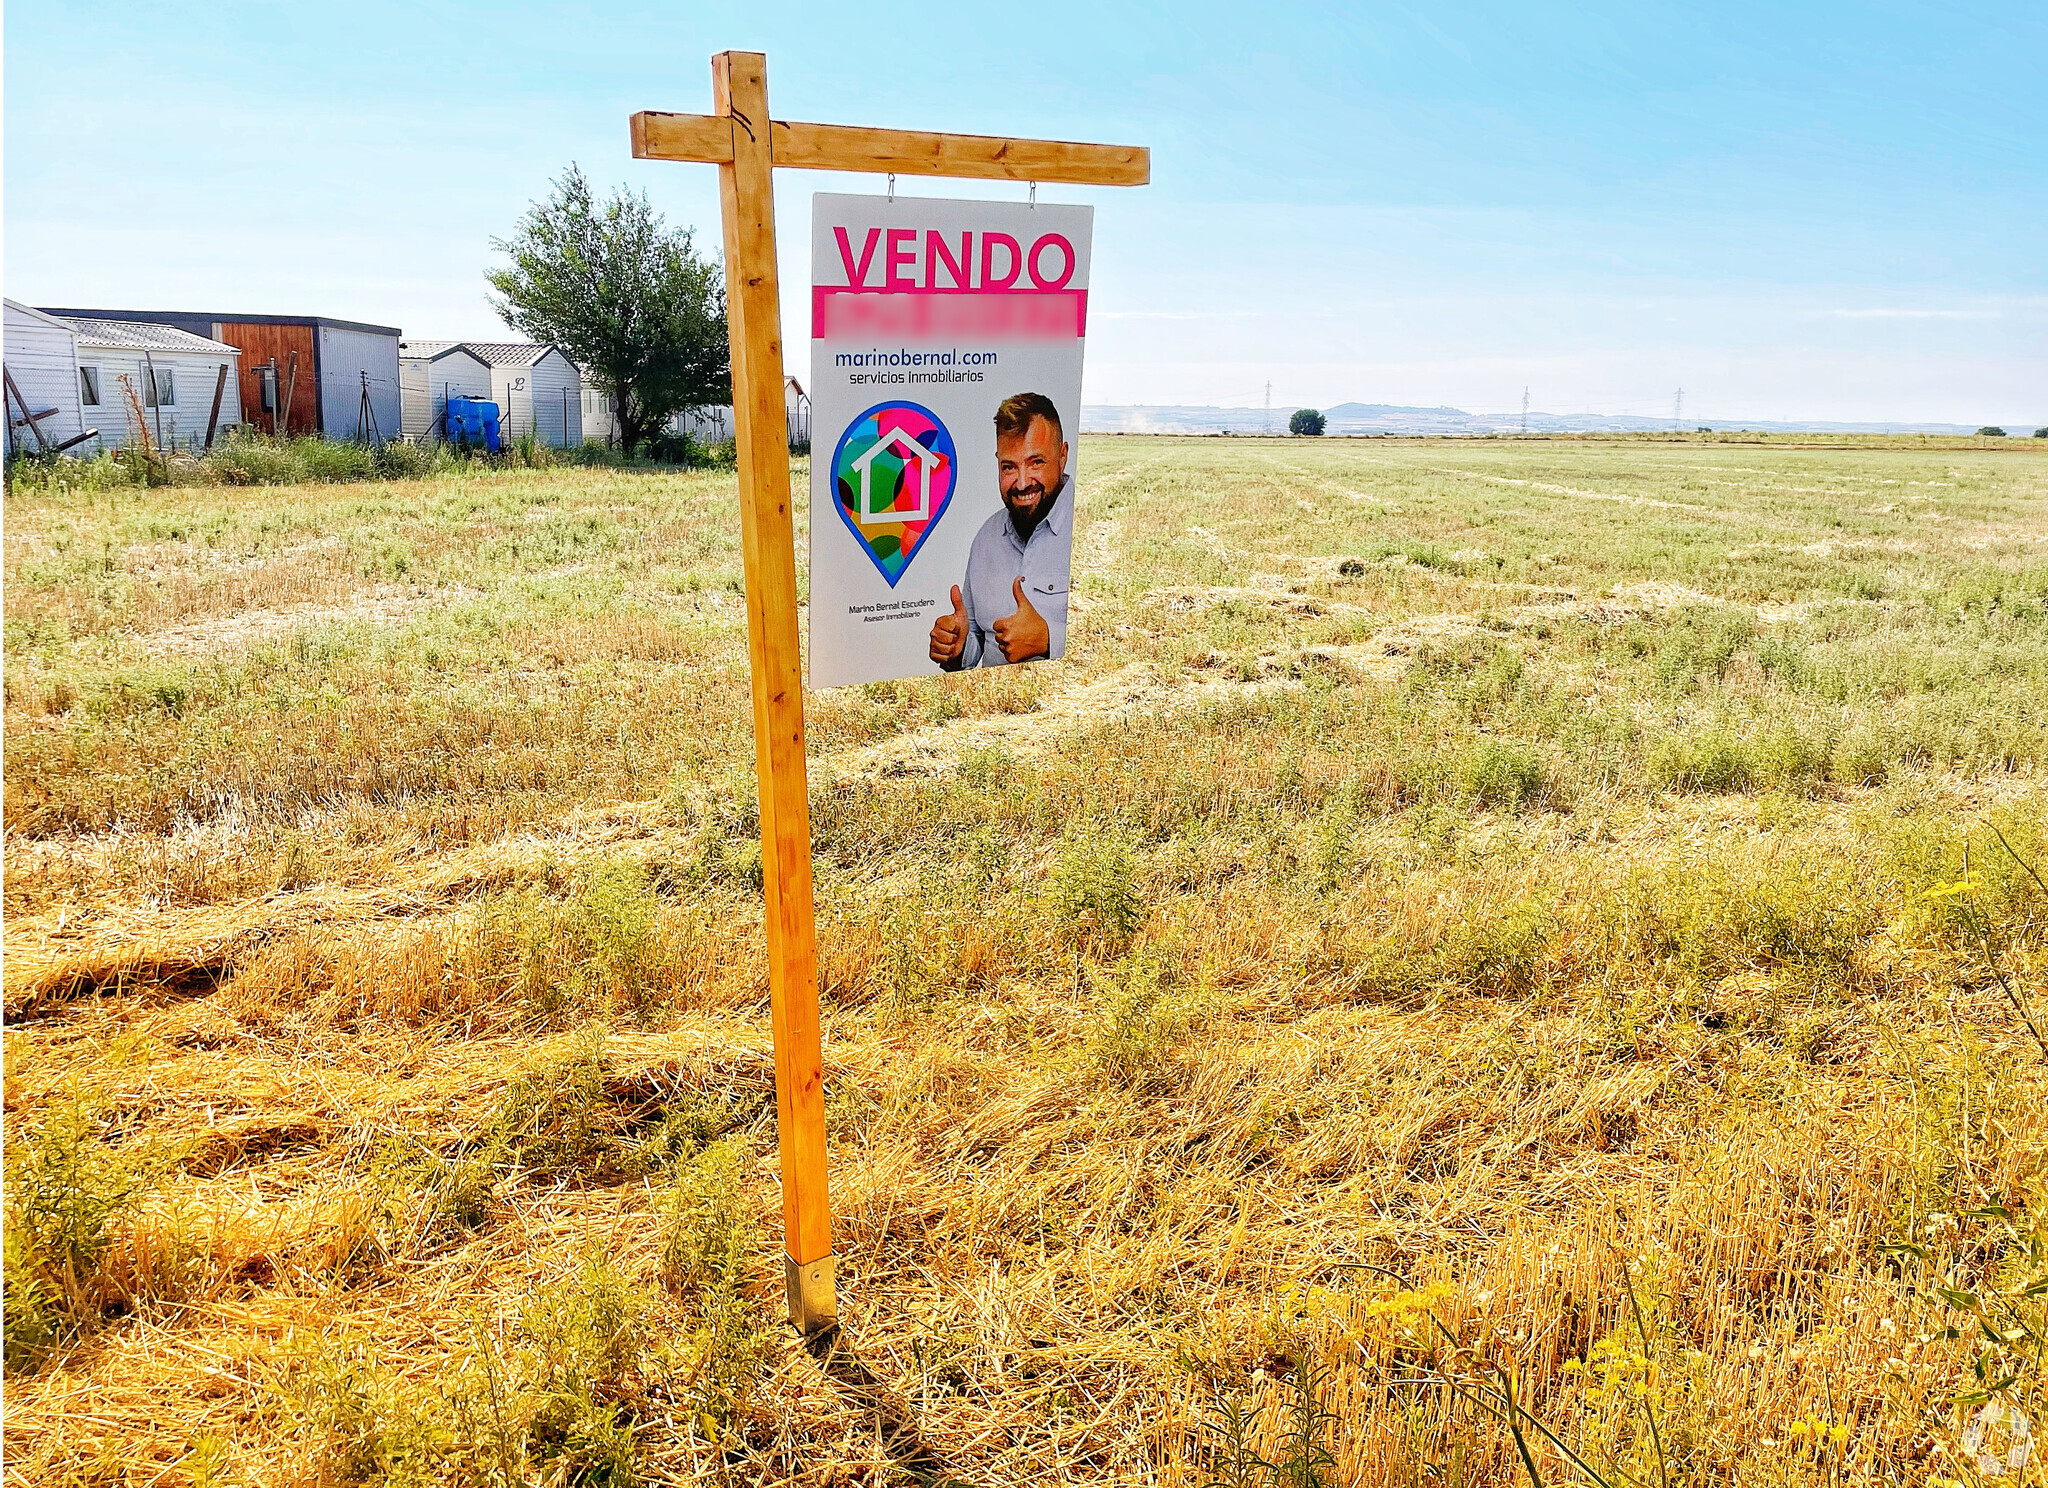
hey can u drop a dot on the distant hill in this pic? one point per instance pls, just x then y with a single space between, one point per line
1343 418
1395 418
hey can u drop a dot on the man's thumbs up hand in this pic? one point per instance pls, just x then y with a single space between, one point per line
949 632
1023 636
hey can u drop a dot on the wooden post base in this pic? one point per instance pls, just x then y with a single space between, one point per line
813 1298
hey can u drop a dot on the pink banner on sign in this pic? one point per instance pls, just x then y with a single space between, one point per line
946 314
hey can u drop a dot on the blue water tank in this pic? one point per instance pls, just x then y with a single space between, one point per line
473 422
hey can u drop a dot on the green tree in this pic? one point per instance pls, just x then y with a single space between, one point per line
625 296
1991 431
1305 421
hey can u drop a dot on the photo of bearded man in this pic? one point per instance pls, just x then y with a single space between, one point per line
1011 605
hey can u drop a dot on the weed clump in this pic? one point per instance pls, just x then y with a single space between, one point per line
1500 949
251 458
1863 755
1492 772
1719 760
1302 1435
1141 1020
557 1121
33 1312
915 964
559 1392
1336 839
69 1193
580 1362
2002 1311
1714 762
709 1233
1092 890
554 1120
1701 643
616 908
360 1424
426 1198
1696 923
530 452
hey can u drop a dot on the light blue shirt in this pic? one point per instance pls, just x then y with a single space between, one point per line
997 560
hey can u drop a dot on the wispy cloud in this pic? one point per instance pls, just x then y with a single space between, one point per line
1897 313
1174 314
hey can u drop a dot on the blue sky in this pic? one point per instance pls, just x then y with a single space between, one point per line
1815 211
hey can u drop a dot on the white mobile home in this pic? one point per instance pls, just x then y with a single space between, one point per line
716 421
598 422
175 376
713 424
536 389
707 424
326 366
42 373
710 423
432 372
796 412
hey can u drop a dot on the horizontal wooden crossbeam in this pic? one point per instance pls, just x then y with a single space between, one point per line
706 139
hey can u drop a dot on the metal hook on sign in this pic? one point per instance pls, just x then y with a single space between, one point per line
892 185
1034 196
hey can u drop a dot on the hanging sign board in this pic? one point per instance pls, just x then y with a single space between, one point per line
946 342
746 144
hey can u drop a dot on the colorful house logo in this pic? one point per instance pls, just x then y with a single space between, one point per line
911 451
893 477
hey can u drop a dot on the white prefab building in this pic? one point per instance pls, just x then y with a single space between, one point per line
598 422
708 424
711 423
716 421
353 360
432 372
796 412
342 375
174 375
42 370
536 389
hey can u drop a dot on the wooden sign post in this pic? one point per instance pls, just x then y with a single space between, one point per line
746 146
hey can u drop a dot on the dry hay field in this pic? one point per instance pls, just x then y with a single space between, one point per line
1491 960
